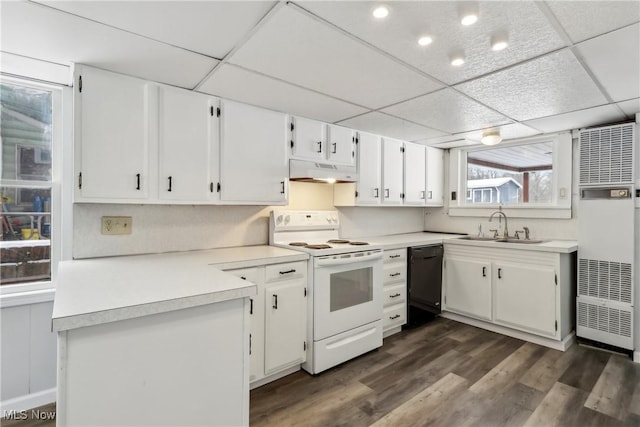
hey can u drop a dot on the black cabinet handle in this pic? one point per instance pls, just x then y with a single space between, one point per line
137 181
394 295
249 344
430 195
335 147
422 195
250 305
377 190
499 273
394 274
282 183
319 146
484 271
394 256
386 193
170 179
394 317
275 302
288 271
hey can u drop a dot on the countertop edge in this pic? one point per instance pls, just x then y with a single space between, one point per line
570 245
256 262
75 321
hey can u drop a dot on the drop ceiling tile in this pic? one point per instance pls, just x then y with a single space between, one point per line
529 32
245 86
63 38
209 27
295 47
393 127
448 111
630 107
578 119
614 59
549 85
586 19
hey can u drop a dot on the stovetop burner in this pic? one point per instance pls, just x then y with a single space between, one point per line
337 241
319 246
358 243
298 244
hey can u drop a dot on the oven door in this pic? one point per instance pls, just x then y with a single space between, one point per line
347 292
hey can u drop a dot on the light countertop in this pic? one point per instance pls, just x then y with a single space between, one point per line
557 246
397 241
101 290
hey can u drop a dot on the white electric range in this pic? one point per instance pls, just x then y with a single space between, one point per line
345 286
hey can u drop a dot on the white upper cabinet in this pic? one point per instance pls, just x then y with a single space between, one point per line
340 145
392 171
369 185
307 139
253 166
435 177
112 136
188 146
414 174
321 142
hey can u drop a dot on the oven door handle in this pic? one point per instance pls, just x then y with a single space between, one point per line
322 261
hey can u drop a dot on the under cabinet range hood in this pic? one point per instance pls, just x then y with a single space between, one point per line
310 171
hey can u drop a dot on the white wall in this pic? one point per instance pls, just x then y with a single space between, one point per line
437 219
375 221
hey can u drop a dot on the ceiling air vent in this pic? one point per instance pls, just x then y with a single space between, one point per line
606 155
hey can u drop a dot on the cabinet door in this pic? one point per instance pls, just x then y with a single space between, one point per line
468 287
253 167
435 176
307 139
369 183
525 297
392 164
188 146
256 319
285 330
112 135
340 145
414 173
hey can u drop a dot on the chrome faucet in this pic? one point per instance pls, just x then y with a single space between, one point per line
499 212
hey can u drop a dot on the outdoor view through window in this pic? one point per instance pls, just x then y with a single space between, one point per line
520 174
25 188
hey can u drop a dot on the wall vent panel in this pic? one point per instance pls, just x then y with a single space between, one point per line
606 155
605 280
605 323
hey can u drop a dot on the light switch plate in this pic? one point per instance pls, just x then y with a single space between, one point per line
112 225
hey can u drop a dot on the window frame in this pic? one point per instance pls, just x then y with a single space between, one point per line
61 208
562 161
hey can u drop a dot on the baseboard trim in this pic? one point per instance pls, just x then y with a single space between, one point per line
636 356
556 345
274 377
391 331
29 401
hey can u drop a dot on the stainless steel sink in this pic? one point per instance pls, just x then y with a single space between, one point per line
509 240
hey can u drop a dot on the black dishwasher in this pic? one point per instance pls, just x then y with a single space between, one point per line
424 283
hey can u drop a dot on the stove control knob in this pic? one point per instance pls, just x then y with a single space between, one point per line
279 219
334 219
329 219
287 219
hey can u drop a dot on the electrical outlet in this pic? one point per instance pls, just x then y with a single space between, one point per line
112 225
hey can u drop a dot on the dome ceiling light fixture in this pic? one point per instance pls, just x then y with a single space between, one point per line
425 40
491 137
457 58
499 41
468 12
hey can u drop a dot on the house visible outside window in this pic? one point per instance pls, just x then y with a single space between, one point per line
29 126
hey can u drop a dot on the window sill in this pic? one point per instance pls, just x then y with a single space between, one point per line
513 212
29 296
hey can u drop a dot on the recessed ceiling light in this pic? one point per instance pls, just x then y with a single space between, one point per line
425 40
469 19
457 59
380 12
499 42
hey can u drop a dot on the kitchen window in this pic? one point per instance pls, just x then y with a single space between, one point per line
30 142
530 178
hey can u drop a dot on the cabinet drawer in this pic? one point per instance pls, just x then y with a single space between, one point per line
394 294
285 271
250 274
394 315
394 273
395 255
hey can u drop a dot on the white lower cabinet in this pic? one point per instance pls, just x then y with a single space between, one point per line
526 290
278 317
525 297
468 287
394 312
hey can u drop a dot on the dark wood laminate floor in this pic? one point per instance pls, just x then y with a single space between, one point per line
450 374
